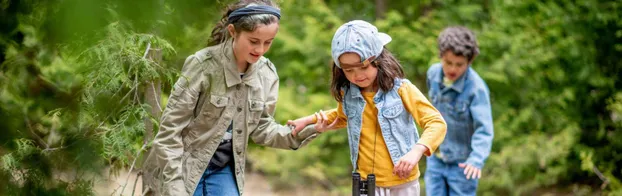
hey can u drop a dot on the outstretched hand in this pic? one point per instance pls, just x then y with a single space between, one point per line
322 122
297 125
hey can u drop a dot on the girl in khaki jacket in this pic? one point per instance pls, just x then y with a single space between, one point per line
226 94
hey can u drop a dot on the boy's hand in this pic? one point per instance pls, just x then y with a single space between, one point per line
406 164
471 171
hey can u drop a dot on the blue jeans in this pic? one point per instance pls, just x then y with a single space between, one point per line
447 179
217 181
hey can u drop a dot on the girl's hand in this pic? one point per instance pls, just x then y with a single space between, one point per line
406 164
298 124
322 122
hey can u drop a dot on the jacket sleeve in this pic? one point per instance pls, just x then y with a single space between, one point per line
271 134
177 115
426 116
481 142
334 114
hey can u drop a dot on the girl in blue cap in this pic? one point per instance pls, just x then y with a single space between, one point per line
379 107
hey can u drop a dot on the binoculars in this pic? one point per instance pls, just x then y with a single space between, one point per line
363 187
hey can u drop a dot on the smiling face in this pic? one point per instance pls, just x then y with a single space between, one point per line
453 66
249 46
363 76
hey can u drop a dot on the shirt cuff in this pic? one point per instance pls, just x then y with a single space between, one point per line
306 132
428 152
475 163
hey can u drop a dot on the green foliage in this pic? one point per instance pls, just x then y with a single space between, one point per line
38 105
118 69
59 103
305 40
73 74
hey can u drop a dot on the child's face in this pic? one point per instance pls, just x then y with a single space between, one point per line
453 66
363 76
250 46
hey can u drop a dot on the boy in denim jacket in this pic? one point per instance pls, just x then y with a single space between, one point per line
462 97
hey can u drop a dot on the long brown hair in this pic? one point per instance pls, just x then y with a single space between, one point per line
388 69
246 23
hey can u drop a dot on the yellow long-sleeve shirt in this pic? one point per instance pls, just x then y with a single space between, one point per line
426 116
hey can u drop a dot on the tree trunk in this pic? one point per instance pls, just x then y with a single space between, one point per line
381 9
153 91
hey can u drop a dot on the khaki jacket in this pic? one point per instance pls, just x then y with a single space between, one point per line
208 96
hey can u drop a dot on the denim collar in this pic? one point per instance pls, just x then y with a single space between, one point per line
458 84
355 91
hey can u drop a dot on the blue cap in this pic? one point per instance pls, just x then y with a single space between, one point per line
359 37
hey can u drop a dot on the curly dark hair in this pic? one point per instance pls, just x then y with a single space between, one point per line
460 40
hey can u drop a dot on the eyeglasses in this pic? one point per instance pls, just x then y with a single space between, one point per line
361 64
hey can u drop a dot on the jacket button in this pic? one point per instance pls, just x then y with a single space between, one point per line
239 152
239 131
237 87
239 109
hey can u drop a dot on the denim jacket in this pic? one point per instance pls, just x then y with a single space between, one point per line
465 106
396 123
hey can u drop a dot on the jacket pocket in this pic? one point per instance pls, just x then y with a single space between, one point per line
255 109
393 111
461 111
400 129
354 121
216 106
218 101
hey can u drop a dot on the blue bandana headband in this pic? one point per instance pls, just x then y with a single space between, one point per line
252 10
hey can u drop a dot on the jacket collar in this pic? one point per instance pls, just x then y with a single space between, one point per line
232 76
458 84
355 91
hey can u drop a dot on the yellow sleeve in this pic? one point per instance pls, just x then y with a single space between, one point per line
335 113
426 116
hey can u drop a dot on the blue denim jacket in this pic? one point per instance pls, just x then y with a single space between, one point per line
396 123
465 106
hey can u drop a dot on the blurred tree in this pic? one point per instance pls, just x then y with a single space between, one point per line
71 92
381 9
